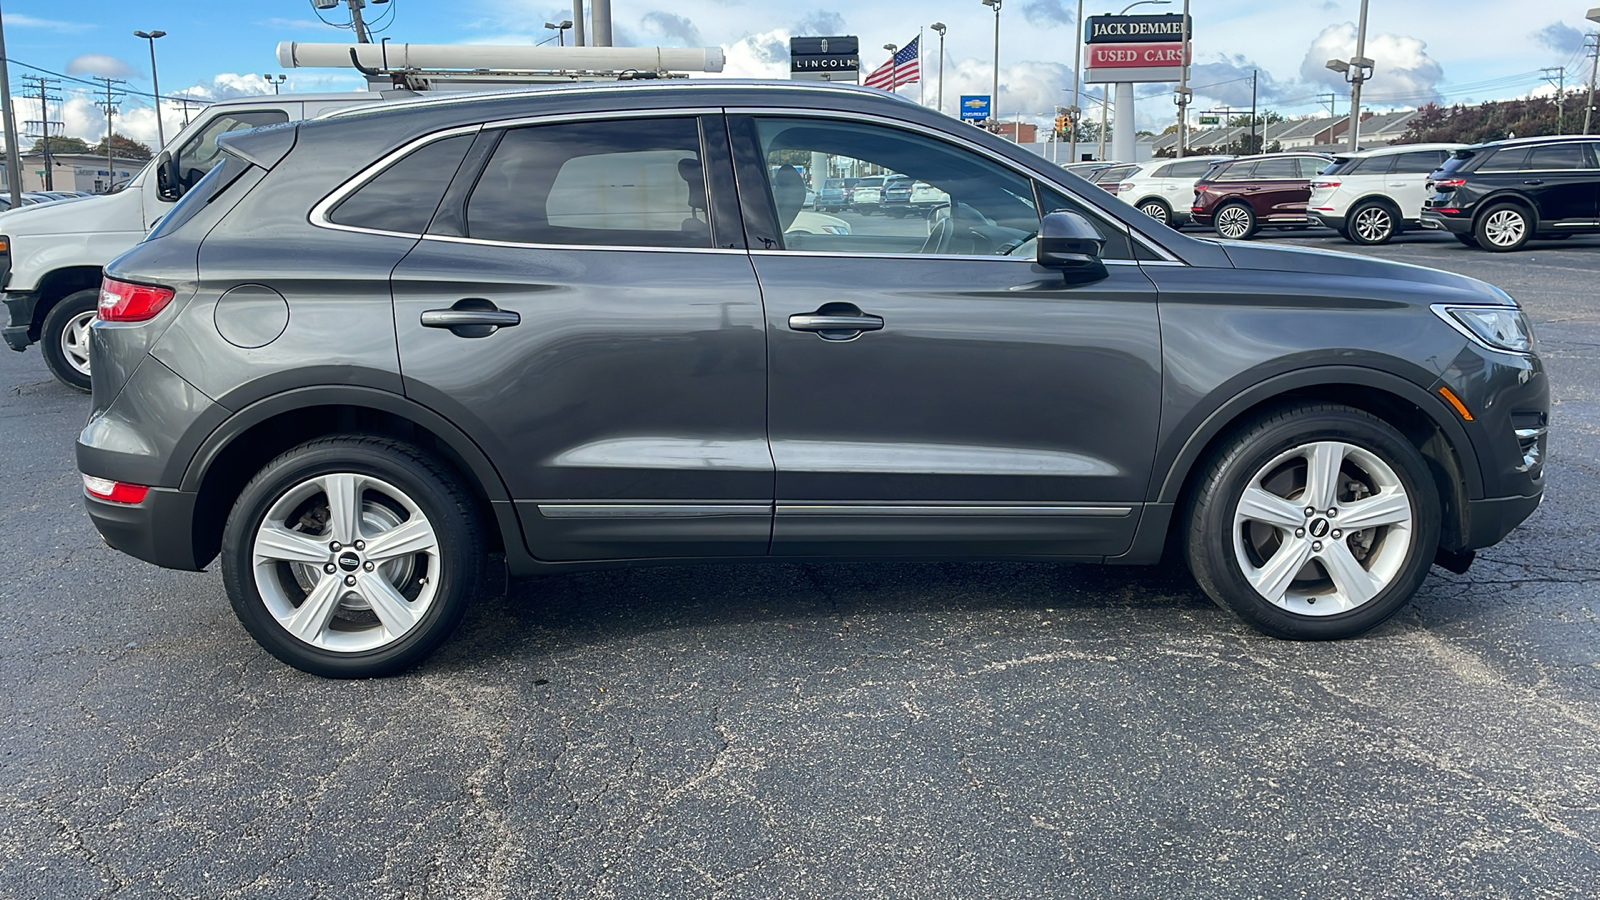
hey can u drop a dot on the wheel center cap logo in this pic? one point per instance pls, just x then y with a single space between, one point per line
349 562
1319 527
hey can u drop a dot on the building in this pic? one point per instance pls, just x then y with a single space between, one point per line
1009 131
73 172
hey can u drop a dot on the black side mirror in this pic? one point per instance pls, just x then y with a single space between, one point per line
1067 241
169 186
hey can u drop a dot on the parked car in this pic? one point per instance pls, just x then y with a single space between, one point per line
867 196
53 252
1240 197
1501 195
835 194
364 353
1163 189
1110 177
1086 170
925 198
1371 196
896 201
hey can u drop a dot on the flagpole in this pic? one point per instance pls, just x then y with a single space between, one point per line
922 83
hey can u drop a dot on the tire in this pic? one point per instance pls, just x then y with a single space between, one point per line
1235 222
64 339
1371 223
381 609
1247 512
1159 210
1467 239
1504 227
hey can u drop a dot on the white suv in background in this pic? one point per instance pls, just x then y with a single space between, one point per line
1371 196
1163 189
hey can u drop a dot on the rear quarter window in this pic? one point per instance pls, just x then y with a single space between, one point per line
404 196
1506 159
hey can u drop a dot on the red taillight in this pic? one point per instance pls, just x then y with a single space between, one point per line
1200 189
1324 184
113 491
1449 182
124 302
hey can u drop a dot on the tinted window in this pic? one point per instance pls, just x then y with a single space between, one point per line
403 197
1277 168
1371 165
197 156
1114 174
1418 162
1240 171
1311 166
1508 159
1456 160
1193 169
1557 156
637 183
1165 171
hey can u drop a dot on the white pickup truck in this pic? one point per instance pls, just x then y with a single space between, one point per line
51 255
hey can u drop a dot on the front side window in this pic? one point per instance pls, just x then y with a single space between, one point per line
634 183
201 152
963 204
1556 156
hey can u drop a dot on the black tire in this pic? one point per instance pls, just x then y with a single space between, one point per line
1467 240
1371 223
1210 539
1235 222
60 326
456 573
1157 209
1504 228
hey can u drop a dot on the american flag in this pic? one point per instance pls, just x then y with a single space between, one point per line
905 67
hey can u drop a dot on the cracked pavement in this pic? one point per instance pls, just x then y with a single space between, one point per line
853 730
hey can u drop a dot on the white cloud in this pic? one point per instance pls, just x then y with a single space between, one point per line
1403 72
99 64
18 20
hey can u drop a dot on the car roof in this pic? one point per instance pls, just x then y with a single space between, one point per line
1524 141
1398 148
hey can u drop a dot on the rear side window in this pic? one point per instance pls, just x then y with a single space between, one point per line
1234 172
634 184
1114 174
1190 169
1506 159
1557 156
1371 165
403 197
1165 171
1277 168
1418 162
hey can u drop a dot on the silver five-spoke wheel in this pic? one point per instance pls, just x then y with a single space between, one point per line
1323 528
346 562
75 341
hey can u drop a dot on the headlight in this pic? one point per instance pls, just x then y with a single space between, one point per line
1502 328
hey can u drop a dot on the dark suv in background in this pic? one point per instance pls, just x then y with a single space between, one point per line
585 326
1240 197
1501 195
896 202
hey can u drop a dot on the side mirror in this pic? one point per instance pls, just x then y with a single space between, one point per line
1068 242
169 186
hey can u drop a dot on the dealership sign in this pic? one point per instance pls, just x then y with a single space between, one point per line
975 107
1135 49
836 58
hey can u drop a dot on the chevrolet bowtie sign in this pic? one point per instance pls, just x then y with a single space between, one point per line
1134 49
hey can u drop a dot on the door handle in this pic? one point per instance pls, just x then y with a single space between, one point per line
836 322
1534 181
471 318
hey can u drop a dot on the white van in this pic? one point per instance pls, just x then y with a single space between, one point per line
51 255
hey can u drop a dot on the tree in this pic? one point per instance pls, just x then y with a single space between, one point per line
123 147
60 143
1493 121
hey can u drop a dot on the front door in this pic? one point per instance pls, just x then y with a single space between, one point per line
581 308
933 391
1562 180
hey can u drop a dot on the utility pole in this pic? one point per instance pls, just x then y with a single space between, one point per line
1184 94
1331 101
600 13
13 155
356 21
43 86
1253 147
1594 70
1559 82
577 23
1077 84
111 110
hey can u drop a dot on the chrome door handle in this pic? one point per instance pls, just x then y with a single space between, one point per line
815 322
1534 181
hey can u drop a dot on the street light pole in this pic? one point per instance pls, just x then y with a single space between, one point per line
155 82
1594 72
1358 74
994 94
894 67
13 155
1077 85
1184 94
940 28
274 81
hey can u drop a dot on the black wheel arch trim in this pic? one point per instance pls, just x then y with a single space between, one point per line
1211 418
287 401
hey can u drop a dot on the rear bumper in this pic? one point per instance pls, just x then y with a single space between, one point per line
18 331
1327 220
158 529
1439 222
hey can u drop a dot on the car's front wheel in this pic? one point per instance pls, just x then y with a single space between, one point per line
1236 222
1317 522
352 557
64 339
1504 228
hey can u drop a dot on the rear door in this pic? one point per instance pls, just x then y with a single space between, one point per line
1279 190
1406 182
583 306
1561 180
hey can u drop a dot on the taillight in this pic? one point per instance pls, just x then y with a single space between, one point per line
1125 186
1451 183
1199 189
114 491
1324 184
124 302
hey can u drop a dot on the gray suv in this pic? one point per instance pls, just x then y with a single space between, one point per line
587 326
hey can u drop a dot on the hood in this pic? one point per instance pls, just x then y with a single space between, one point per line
114 212
1312 261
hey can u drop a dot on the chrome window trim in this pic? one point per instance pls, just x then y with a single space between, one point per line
485 242
1002 259
1133 233
826 509
319 213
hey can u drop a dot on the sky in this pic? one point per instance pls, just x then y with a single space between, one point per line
1482 50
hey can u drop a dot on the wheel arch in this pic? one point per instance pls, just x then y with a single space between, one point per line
1422 418
58 284
1507 196
231 455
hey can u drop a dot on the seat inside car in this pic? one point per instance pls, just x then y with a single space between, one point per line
693 175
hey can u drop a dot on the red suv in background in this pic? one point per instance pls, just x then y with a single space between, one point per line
1240 197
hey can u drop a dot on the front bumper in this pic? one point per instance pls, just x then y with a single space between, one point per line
1491 519
1434 221
158 529
19 329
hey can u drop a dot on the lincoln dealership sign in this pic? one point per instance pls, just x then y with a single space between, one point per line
1132 49
836 58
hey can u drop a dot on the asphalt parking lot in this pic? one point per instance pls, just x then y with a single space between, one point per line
901 730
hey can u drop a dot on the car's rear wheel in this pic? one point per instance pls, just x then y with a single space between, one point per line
1504 228
1158 210
1236 222
352 557
1371 223
64 339
1317 522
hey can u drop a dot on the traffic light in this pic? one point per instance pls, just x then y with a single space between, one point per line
1061 124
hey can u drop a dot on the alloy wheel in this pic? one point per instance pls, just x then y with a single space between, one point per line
1323 528
1157 211
1505 227
1373 225
346 562
75 341
1233 222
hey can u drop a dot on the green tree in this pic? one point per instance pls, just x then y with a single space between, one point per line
123 147
1495 120
60 143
